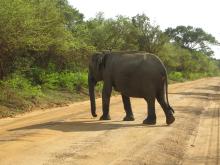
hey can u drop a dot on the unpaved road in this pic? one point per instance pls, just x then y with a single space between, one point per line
69 136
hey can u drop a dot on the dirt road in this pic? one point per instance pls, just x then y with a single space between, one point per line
69 136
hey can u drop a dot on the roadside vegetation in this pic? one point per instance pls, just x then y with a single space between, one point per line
45 46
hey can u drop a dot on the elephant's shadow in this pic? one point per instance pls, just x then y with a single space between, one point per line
85 125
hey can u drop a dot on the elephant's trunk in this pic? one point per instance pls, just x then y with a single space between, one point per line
92 83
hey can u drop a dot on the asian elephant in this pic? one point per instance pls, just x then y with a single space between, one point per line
134 74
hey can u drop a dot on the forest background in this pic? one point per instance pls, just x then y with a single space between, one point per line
45 46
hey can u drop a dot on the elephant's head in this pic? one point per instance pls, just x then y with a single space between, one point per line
96 67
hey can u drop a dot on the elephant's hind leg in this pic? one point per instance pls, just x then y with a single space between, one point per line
127 106
151 117
166 108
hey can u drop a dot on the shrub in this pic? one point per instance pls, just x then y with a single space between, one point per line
176 76
66 80
22 86
50 81
73 81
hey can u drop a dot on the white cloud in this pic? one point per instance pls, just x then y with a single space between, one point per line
169 13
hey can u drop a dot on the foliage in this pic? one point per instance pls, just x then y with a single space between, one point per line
176 76
108 34
45 46
124 33
38 30
192 38
22 86
150 37
66 80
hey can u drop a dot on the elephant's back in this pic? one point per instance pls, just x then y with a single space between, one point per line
139 62
136 57
126 65
137 74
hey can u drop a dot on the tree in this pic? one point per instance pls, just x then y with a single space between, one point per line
109 34
36 29
15 23
150 38
191 38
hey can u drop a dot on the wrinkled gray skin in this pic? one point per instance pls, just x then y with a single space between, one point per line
140 75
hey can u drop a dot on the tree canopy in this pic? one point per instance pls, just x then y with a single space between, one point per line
192 38
150 38
45 34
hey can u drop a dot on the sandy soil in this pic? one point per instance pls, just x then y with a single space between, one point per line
70 136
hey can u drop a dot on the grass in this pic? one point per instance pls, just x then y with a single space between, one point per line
19 95
18 104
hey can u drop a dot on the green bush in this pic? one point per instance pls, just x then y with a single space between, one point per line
36 75
22 86
176 76
194 76
73 81
50 81
66 80
212 74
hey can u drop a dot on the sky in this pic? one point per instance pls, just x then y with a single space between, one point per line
165 13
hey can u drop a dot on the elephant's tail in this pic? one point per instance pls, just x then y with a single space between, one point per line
166 93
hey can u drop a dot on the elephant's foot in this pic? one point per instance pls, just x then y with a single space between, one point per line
170 119
105 117
128 118
150 121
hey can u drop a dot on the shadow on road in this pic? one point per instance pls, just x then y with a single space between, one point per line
197 111
189 110
200 95
211 87
203 94
84 126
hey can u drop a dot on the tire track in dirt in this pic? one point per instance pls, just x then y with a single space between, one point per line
204 151
212 140
218 137
204 146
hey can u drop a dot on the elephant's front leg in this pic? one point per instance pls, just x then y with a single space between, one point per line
106 94
127 106
151 117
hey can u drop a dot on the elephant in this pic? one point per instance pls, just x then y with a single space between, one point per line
132 74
